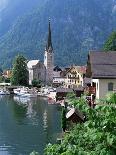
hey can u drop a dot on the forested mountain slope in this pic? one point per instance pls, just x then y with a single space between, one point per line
77 27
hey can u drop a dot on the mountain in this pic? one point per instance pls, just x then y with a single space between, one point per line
77 27
10 10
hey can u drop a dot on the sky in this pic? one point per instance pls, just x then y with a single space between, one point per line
3 4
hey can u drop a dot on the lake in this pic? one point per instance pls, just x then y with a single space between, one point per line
27 125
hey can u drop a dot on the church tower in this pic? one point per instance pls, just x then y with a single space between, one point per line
49 58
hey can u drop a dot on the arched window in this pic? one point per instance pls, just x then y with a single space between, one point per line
110 86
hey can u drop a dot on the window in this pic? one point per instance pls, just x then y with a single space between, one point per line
110 86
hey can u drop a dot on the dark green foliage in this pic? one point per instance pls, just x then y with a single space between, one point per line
77 26
1 79
110 44
36 83
7 80
63 121
97 136
20 75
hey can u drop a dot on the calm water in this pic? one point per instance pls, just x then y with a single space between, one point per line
27 125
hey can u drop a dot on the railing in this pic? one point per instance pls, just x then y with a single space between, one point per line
91 90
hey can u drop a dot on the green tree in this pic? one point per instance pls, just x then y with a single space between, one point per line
1 79
36 83
110 44
20 75
63 121
97 136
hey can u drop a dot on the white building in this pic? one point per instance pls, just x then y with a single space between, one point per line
43 71
101 68
74 76
36 71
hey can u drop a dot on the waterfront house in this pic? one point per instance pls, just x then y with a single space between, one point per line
101 68
75 116
58 80
61 93
74 76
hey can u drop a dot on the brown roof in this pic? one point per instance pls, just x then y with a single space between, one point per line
103 58
78 113
103 64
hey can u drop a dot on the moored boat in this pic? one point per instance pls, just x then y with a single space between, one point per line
4 92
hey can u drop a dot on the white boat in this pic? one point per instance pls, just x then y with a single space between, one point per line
28 95
4 92
25 92
21 91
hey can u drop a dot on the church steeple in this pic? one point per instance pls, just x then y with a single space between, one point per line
49 46
49 58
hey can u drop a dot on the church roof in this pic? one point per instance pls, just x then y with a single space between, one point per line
49 41
32 63
57 69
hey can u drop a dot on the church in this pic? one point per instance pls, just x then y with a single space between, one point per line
43 71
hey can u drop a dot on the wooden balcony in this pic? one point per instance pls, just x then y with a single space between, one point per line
90 90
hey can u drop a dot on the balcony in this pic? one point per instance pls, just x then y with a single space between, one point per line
90 90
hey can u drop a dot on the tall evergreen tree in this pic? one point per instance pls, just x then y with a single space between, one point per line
63 121
110 44
20 75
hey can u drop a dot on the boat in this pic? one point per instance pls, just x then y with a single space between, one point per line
28 95
25 92
20 91
4 92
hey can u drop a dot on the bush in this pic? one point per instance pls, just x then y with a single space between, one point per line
36 83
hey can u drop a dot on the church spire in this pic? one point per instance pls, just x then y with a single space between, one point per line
49 43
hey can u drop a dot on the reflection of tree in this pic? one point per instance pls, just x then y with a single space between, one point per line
19 112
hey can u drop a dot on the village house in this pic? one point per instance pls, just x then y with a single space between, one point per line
58 80
7 73
74 76
101 68
75 116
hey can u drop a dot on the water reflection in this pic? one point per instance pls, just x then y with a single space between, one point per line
27 125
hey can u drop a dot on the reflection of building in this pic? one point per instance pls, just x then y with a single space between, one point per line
45 123
43 71
101 68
